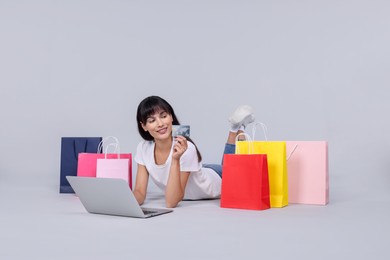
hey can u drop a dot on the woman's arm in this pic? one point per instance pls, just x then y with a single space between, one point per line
177 180
176 185
141 184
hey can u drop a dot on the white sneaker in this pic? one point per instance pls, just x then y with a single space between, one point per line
242 116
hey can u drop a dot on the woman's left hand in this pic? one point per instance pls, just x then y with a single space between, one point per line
179 147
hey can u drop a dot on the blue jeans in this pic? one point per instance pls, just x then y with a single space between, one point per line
229 149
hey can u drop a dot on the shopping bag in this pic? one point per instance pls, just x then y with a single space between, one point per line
70 148
277 165
308 178
87 162
245 182
86 166
115 165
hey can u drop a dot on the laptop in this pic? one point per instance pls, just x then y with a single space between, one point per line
110 197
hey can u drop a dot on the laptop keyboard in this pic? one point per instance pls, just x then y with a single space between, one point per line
146 212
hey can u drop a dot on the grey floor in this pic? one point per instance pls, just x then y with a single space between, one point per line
39 223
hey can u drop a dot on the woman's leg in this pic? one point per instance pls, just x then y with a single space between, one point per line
230 148
215 167
238 120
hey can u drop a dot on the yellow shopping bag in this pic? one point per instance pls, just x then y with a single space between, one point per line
277 167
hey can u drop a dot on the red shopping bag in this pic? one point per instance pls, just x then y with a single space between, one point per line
245 182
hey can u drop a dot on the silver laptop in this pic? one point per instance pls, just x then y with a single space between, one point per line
110 197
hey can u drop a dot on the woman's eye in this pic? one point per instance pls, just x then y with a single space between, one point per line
150 120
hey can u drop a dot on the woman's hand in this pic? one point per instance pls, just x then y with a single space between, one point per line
179 147
177 180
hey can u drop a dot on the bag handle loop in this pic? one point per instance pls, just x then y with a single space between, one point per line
250 142
105 139
266 138
114 142
117 150
263 126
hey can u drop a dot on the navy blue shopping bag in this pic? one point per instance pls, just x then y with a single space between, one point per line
70 149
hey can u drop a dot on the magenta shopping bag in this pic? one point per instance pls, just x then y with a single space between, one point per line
308 178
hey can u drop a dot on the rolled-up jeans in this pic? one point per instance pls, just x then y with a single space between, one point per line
229 149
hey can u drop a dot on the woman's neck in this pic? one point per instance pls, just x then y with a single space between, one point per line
163 145
162 150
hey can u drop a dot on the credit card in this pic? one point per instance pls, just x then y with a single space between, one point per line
183 130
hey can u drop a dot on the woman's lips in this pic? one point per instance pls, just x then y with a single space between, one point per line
162 131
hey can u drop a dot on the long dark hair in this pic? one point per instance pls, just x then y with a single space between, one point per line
148 107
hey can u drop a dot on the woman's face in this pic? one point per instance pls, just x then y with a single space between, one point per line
159 125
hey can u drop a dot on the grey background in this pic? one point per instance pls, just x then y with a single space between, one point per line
313 70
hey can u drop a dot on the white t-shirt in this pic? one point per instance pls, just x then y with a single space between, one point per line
203 183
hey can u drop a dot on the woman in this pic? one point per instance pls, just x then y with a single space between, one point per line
175 164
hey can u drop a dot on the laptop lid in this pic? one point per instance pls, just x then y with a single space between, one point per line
111 197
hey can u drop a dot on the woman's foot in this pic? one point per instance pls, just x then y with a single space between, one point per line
241 117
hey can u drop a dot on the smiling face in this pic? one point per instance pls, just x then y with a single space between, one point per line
154 114
159 125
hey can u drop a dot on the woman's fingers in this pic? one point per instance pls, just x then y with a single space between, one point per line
180 144
182 141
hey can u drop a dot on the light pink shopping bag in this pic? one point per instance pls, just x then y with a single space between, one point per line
118 167
308 177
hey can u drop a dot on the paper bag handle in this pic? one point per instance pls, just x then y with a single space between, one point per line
117 149
251 145
114 142
264 130
105 139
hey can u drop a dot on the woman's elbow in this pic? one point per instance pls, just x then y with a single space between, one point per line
172 203
139 197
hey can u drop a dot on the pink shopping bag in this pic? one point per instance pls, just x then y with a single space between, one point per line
115 167
100 165
87 164
308 178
